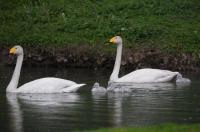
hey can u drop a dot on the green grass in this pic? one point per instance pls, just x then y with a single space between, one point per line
171 25
160 128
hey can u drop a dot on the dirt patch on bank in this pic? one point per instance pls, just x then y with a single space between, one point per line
95 57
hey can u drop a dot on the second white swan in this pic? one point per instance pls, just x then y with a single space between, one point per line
146 75
43 85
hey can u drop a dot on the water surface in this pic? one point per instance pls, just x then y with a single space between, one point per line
146 105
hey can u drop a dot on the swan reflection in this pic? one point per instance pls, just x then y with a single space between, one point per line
16 114
62 112
40 110
146 104
52 100
128 87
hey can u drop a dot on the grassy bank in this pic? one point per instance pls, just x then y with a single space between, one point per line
160 128
172 25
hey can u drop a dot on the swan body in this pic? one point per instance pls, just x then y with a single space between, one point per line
43 85
48 85
146 75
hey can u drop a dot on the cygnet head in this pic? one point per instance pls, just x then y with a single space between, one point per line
16 50
116 40
98 88
96 84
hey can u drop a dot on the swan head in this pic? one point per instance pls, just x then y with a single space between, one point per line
16 50
116 40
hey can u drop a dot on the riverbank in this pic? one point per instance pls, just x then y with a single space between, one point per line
92 57
156 34
158 128
169 25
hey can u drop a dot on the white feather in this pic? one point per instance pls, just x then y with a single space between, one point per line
148 75
43 85
139 76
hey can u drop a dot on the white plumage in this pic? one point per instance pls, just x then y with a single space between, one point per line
43 85
146 75
49 85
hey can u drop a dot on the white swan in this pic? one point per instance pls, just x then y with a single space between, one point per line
43 85
146 75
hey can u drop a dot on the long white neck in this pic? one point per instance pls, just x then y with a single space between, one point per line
115 73
12 86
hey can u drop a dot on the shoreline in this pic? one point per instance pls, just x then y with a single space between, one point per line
94 57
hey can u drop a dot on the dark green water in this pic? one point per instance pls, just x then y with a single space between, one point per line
84 110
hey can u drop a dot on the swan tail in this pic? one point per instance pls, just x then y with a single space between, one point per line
72 88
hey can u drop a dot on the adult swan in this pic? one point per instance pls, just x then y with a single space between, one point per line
43 85
146 75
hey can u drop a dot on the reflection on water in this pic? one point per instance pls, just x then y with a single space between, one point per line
16 114
55 112
149 86
42 109
129 87
146 104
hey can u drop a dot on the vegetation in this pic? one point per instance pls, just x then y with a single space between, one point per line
172 25
160 128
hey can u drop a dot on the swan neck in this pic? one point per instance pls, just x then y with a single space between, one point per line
115 73
15 77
